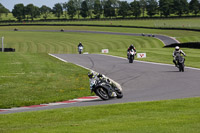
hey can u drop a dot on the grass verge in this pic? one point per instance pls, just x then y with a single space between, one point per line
177 116
181 35
29 79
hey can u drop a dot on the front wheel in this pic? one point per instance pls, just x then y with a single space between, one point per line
130 59
119 93
102 93
181 67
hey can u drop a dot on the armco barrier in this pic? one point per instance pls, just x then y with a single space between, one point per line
186 45
8 50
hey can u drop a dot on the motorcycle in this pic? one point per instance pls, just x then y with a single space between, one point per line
105 90
131 55
180 62
80 49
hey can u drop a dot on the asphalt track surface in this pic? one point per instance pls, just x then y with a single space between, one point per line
165 39
141 81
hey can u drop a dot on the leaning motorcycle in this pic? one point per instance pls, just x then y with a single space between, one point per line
180 62
105 90
80 49
131 55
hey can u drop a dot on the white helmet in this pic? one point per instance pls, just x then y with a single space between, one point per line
177 48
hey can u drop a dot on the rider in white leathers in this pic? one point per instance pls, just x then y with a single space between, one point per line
93 76
177 52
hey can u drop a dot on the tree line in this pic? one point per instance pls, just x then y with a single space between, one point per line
108 9
3 10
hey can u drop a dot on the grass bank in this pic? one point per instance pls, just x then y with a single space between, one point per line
181 35
177 116
187 23
29 79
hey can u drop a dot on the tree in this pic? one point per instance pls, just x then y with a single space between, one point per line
143 4
3 10
58 10
180 7
84 9
77 4
152 7
19 12
71 9
45 11
136 8
90 4
194 6
165 7
109 10
32 11
64 5
124 9
97 9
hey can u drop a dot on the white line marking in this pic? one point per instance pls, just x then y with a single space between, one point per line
58 57
151 62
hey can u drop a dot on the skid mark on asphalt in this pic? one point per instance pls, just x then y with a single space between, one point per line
92 63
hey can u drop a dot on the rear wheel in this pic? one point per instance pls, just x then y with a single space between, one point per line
102 93
181 67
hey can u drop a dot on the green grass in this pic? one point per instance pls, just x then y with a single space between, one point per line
170 116
192 23
182 36
29 79
188 23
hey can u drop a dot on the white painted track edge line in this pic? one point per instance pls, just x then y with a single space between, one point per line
57 57
151 62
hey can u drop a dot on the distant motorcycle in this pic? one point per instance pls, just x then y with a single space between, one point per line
180 62
131 55
105 90
80 49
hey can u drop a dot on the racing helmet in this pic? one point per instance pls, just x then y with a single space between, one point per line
177 48
91 74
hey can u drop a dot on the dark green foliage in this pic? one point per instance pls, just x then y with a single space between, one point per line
194 6
77 4
45 11
3 10
165 7
124 9
84 9
180 7
109 10
19 11
58 10
32 11
152 7
71 9
90 5
136 8
97 8
143 4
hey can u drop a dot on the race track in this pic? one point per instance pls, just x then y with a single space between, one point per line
141 81
167 40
